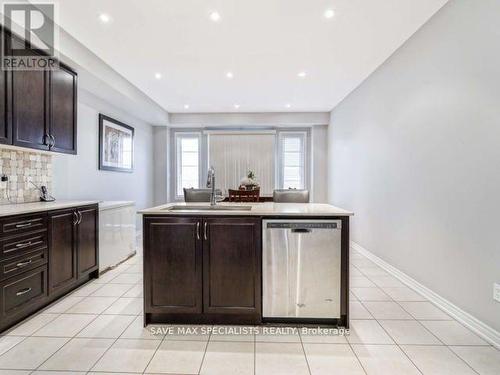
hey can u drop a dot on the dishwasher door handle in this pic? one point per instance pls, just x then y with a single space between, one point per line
301 230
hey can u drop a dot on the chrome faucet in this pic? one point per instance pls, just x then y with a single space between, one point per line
211 185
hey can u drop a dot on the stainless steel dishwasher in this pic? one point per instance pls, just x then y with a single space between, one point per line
301 269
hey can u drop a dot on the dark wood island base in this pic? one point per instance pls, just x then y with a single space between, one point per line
207 269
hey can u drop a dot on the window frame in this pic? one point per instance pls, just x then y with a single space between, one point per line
202 134
305 157
178 136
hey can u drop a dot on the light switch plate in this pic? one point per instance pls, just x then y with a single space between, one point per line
496 292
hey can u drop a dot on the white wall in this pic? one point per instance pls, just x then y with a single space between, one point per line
415 153
161 165
78 176
319 164
249 119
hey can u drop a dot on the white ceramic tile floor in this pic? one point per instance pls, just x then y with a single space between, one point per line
424 311
437 360
98 329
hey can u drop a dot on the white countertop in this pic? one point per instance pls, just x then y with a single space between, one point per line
258 209
107 205
26 208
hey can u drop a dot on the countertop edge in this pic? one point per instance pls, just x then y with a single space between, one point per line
35 207
258 209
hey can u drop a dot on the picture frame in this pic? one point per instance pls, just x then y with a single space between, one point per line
116 145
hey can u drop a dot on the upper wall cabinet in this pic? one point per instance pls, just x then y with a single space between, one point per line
38 109
62 109
5 129
29 109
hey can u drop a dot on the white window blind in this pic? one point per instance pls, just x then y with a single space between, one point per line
292 169
188 162
234 154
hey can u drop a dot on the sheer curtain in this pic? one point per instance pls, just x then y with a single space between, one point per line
234 154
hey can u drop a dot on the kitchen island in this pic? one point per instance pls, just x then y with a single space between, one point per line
246 263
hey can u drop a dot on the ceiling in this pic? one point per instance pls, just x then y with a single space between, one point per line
264 43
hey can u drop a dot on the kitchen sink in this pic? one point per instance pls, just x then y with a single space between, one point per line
209 208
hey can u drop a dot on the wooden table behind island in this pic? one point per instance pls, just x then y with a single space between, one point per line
205 266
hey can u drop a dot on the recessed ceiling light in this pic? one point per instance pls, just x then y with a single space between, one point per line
288 105
236 106
215 16
186 106
104 18
229 75
301 74
329 13
158 75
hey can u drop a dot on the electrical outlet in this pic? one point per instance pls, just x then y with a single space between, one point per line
496 292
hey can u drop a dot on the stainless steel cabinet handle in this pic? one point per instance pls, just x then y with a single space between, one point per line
23 225
75 218
53 140
205 231
81 217
198 230
24 244
23 291
22 264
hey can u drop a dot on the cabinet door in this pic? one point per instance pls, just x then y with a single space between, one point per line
62 128
231 266
5 124
172 265
29 109
87 240
62 251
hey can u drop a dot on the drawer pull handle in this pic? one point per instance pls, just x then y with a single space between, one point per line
22 264
25 244
24 225
23 291
205 231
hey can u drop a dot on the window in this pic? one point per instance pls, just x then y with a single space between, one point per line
187 162
233 154
292 156
279 158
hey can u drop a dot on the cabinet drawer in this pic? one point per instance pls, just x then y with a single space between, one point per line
23 291
14 225
16 246
14 266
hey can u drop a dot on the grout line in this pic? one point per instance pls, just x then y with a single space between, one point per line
305 355
113 343
205 352
420 323
66 343
156 350
356 355
463 360
254 354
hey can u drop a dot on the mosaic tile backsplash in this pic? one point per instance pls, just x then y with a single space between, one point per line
21 167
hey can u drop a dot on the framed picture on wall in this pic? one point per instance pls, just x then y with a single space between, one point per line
116 145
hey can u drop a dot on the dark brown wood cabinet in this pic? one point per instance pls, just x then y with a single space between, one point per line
62 243
86 240
20 294
62 110
43 256
231 265
5 123
38 108
73 244
202 270
29 94
174 267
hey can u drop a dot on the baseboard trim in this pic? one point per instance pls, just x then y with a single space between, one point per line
485 331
